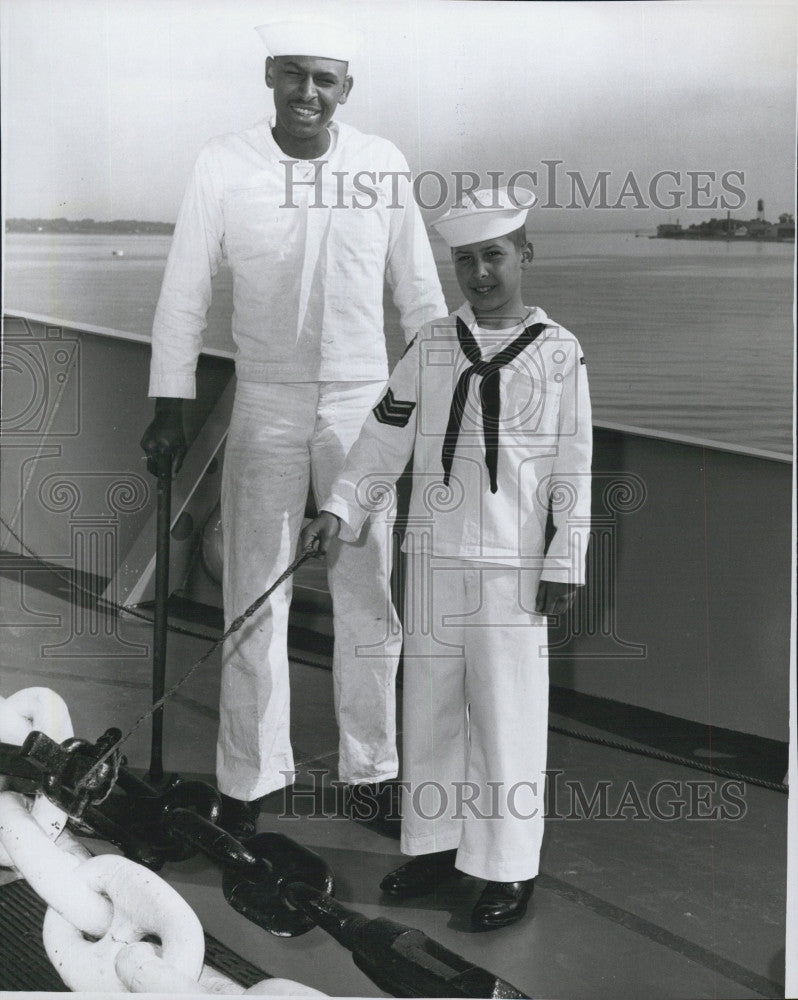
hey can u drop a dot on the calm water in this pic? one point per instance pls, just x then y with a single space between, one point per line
692 338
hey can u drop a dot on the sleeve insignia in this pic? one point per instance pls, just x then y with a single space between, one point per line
582 360
395 412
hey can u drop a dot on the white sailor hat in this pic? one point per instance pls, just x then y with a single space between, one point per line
309 37
485 214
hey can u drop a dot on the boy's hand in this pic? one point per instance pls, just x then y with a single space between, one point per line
554 598
317 535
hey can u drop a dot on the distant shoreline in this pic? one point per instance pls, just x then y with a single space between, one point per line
127 227
133 227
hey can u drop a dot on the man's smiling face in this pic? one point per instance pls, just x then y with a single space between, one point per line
307 90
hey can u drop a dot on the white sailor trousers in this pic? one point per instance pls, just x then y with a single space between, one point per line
282 437
475 699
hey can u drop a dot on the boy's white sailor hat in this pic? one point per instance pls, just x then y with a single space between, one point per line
310 36
485 214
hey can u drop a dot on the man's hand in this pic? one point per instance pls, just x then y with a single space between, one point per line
317 535
165 434
554 598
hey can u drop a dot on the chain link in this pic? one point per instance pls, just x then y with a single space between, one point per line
67 844
141 904
100 908
34 708
49 871
40 709
141 970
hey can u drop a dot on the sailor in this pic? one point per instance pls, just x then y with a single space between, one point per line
310 254
492 402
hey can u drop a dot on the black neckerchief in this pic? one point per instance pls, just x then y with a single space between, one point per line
489 394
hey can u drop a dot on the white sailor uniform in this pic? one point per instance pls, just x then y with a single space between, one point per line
311 361
499 427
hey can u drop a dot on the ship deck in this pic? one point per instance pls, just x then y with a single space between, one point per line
625 907
685 649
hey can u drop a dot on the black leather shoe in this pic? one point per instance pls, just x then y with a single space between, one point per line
420 875
239 819
502 903
376 805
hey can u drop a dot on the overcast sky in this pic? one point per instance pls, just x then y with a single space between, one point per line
106 102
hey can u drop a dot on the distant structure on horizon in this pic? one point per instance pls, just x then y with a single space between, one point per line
116 226
758 229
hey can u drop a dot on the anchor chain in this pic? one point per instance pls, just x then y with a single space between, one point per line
21 714
104 912
101 909
270 879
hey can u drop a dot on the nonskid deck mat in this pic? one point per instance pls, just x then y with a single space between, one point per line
25 965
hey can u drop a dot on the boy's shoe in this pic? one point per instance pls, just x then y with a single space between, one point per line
238 818
421 875
376 805
502 903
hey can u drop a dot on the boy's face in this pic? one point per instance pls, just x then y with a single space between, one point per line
489 275
307 90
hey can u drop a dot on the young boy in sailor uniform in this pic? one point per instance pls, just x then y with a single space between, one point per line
493 405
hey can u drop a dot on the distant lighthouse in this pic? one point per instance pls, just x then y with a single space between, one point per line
760 210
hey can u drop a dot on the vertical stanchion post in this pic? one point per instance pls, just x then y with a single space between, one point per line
163 526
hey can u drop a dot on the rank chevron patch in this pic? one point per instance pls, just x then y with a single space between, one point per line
395 412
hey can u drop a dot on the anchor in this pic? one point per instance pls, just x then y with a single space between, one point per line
272 880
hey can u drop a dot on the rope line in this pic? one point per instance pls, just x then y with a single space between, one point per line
235 625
